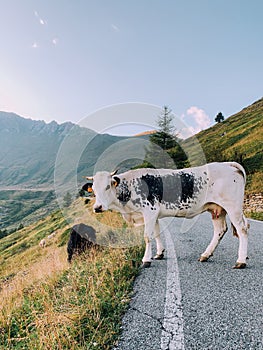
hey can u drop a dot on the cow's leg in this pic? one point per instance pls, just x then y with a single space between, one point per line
149 228
159 244
147 258
220 228
241 226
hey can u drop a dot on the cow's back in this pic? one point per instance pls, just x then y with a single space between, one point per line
183 192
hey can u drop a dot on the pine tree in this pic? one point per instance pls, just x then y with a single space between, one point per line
165 136
219 118
164 150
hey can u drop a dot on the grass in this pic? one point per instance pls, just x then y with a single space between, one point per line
78 308
238 138
45 303
255 215
22 206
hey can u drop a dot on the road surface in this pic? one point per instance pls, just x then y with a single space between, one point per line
181 303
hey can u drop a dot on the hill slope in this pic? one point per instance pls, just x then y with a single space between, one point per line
239 138
45 303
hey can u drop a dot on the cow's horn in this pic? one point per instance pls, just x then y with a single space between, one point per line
89 178
114 172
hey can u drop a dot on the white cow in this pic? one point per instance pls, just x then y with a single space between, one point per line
42 243
143 196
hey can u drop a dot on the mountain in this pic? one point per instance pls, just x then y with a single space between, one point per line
238 138
37 158
28 150
147 133
31 150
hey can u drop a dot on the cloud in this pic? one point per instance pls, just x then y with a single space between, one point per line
35 45
41 20
196 120
55 41
200 117
115 28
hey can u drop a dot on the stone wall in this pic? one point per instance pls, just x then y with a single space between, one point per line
253 202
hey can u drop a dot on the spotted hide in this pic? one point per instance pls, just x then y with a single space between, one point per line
144 196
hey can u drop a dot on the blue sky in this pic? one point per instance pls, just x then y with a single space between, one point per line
65 60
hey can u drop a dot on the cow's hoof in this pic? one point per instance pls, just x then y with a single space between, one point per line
159 256
239 265
146 264
203 258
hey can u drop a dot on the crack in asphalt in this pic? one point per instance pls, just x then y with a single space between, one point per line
170 334
173 333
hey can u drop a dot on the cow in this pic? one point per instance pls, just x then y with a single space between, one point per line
143 196
52 235
42 243
82 237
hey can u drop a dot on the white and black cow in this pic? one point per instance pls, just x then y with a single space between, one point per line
143 196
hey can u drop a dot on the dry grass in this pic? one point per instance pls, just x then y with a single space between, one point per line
47 304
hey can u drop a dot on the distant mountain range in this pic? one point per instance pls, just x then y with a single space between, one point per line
29 149
35 157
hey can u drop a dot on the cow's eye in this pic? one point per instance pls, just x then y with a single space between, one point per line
108 187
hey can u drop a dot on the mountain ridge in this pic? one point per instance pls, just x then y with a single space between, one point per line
36 157
28 149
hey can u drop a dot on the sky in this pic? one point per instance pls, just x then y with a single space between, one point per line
116 63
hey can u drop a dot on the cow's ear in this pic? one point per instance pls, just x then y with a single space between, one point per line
116 180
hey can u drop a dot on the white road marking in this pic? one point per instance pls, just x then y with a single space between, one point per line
172 337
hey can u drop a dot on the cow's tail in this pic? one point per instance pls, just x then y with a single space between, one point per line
240 169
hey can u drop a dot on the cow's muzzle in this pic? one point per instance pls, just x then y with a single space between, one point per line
98 209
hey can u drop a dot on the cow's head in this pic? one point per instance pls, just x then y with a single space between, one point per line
104 188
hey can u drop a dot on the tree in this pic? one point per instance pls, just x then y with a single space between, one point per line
165 136
165 150
160 142
219 118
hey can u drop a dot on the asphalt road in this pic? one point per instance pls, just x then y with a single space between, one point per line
181 303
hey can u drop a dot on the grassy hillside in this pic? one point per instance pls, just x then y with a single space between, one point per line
20 207
45 303
239 138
